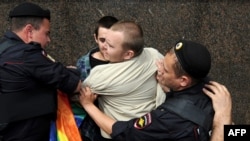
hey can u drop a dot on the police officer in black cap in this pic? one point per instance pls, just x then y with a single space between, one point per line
29 79
186 114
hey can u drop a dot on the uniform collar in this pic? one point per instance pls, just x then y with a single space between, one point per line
11 35
191 90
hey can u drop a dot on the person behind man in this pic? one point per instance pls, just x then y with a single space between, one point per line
185 70
222 104
127 85
96 55
28 78
89 130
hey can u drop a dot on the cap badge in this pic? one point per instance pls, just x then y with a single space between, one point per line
178 45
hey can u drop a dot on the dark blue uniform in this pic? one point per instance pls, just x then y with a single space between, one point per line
28 87
162 124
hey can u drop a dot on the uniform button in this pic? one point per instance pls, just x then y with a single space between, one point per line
162 109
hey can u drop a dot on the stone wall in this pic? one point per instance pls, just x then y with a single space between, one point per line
223 26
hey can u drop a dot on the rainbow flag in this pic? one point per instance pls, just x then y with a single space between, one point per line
65 128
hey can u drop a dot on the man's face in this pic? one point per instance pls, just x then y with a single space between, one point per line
42 35
100 40
169 77
114 51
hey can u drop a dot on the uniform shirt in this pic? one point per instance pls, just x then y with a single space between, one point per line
161 124
29 80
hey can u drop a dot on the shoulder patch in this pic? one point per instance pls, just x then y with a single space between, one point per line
143 121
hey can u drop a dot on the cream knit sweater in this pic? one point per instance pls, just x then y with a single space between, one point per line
128 89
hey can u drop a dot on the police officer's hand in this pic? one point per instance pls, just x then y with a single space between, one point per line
222 102
86 96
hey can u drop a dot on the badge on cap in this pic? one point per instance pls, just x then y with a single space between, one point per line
178 45
143 121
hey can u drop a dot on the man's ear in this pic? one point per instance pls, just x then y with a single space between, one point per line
27 33
28 28
129 54
185 80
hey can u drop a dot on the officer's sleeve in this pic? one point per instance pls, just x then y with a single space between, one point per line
146 127
160 124
119 130
54 74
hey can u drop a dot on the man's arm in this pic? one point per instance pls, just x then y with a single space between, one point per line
222 104
102 120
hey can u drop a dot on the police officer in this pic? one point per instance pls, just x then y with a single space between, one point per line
186 114
29 79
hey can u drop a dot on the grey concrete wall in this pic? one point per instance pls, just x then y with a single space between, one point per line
223 26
